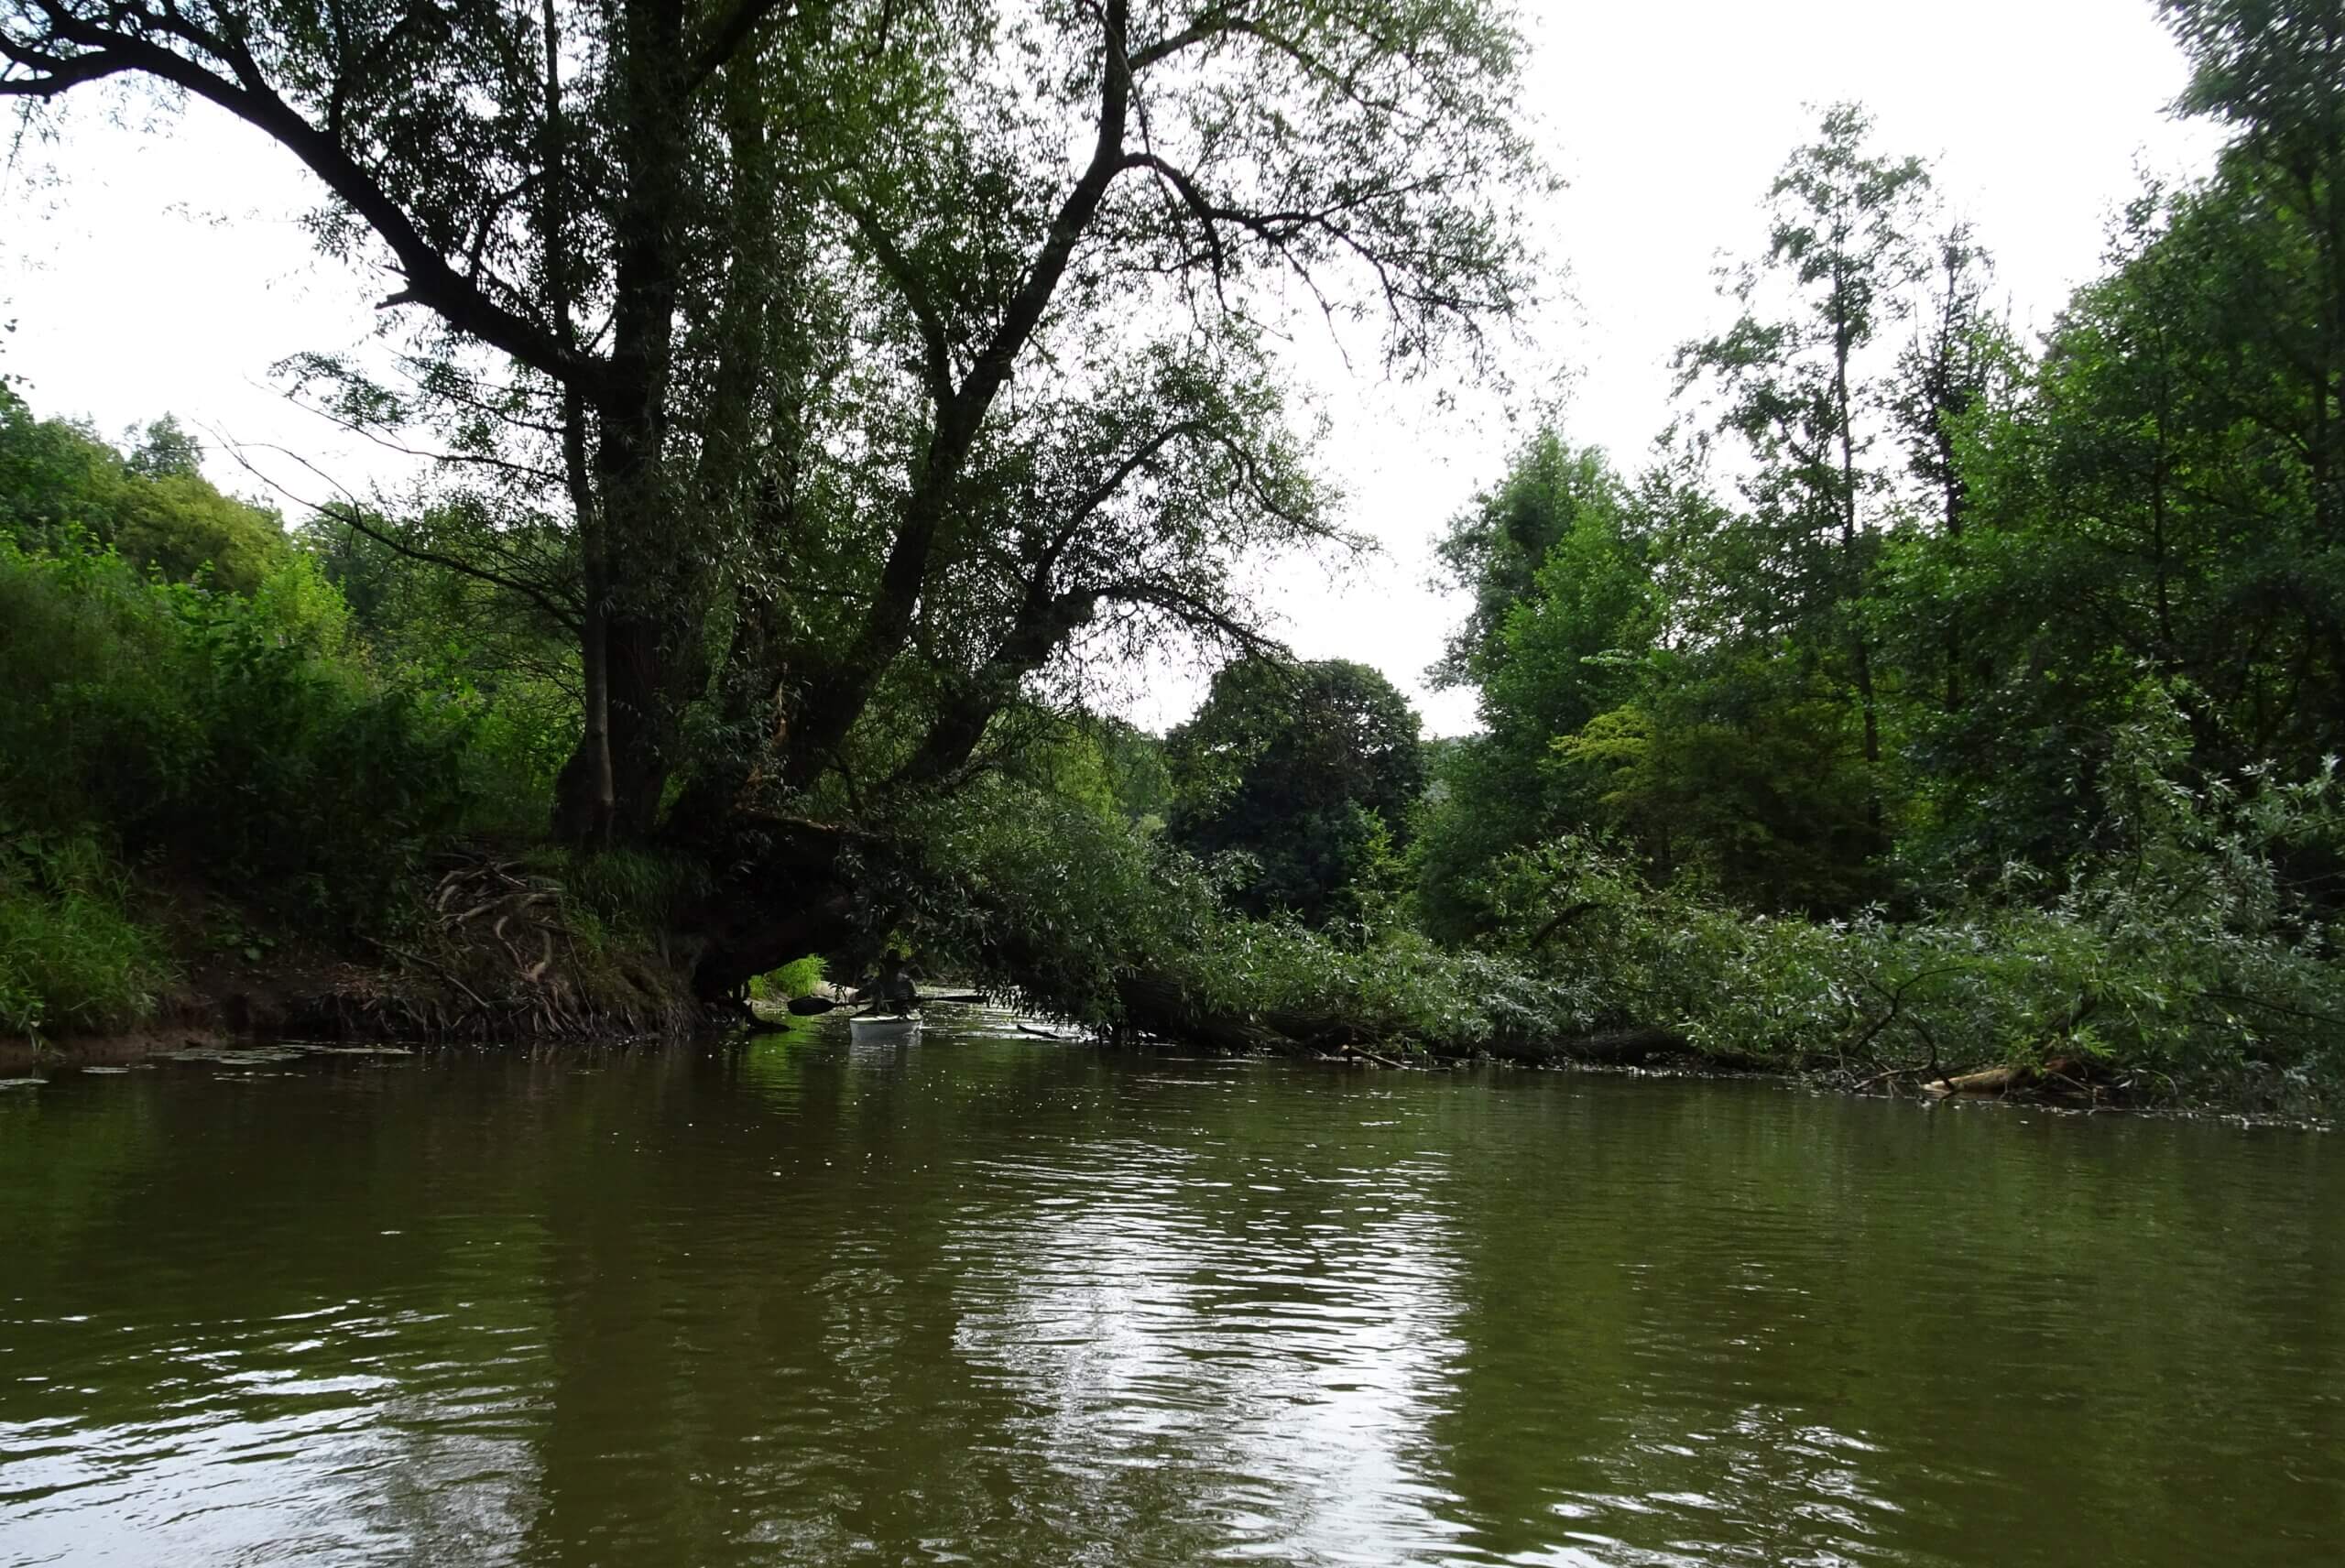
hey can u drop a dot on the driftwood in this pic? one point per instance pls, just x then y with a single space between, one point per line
2061 1073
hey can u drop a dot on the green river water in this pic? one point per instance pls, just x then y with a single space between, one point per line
988 1299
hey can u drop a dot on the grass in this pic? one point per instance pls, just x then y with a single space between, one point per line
72 957
633 892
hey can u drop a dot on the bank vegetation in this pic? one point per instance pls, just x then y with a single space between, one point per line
812 405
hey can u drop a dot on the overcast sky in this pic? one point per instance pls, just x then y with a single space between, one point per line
166 267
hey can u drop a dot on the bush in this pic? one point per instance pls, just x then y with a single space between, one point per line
2183 959
799 977
1058 903
241 737
70 956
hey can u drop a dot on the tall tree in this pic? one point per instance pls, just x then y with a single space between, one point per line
863 349
1558 560
1791 375
1311 770
1960 362
2268 239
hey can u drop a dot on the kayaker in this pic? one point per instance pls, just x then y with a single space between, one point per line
894 990
897 992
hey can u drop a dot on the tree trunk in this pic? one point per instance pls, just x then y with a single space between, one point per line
631 540
1852 553
586 793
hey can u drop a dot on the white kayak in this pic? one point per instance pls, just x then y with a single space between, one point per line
883 1026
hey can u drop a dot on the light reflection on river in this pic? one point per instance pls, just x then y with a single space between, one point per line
985 1299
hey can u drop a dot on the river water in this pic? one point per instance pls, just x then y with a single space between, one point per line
988 1299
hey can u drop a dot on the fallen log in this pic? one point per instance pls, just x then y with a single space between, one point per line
2061 1073
1158 1005
1985 1080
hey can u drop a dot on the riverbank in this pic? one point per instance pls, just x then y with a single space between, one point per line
303 1004
241 815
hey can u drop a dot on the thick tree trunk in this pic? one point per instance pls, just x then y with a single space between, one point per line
631 539
748 713
647 699
745 938
585 798
784 894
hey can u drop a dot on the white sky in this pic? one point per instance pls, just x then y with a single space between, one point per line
168 269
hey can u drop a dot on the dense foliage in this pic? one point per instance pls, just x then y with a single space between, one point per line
174 730
812 423
2001 678
1299 780
61 485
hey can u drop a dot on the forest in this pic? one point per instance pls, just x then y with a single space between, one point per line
820 400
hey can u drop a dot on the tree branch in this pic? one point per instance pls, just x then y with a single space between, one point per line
915 289
121 44
726 39
959 418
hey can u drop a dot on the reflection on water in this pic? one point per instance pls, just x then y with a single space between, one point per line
979 1298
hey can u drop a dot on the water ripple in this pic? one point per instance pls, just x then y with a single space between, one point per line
987 1300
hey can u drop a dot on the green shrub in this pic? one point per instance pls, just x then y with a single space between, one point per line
2182 958
635 892
799 977
71 955
242 735
1056 902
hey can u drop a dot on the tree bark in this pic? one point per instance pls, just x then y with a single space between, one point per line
646 605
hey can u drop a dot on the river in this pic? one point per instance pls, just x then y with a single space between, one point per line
988 1299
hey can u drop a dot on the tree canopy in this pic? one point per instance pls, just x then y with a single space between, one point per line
864 363
1879 621
151 504
1311 772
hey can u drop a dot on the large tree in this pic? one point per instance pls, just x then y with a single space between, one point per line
1558 561
1791 376
2158 501
866 357
1309 770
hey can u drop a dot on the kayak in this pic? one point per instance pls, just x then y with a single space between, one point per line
882 1026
